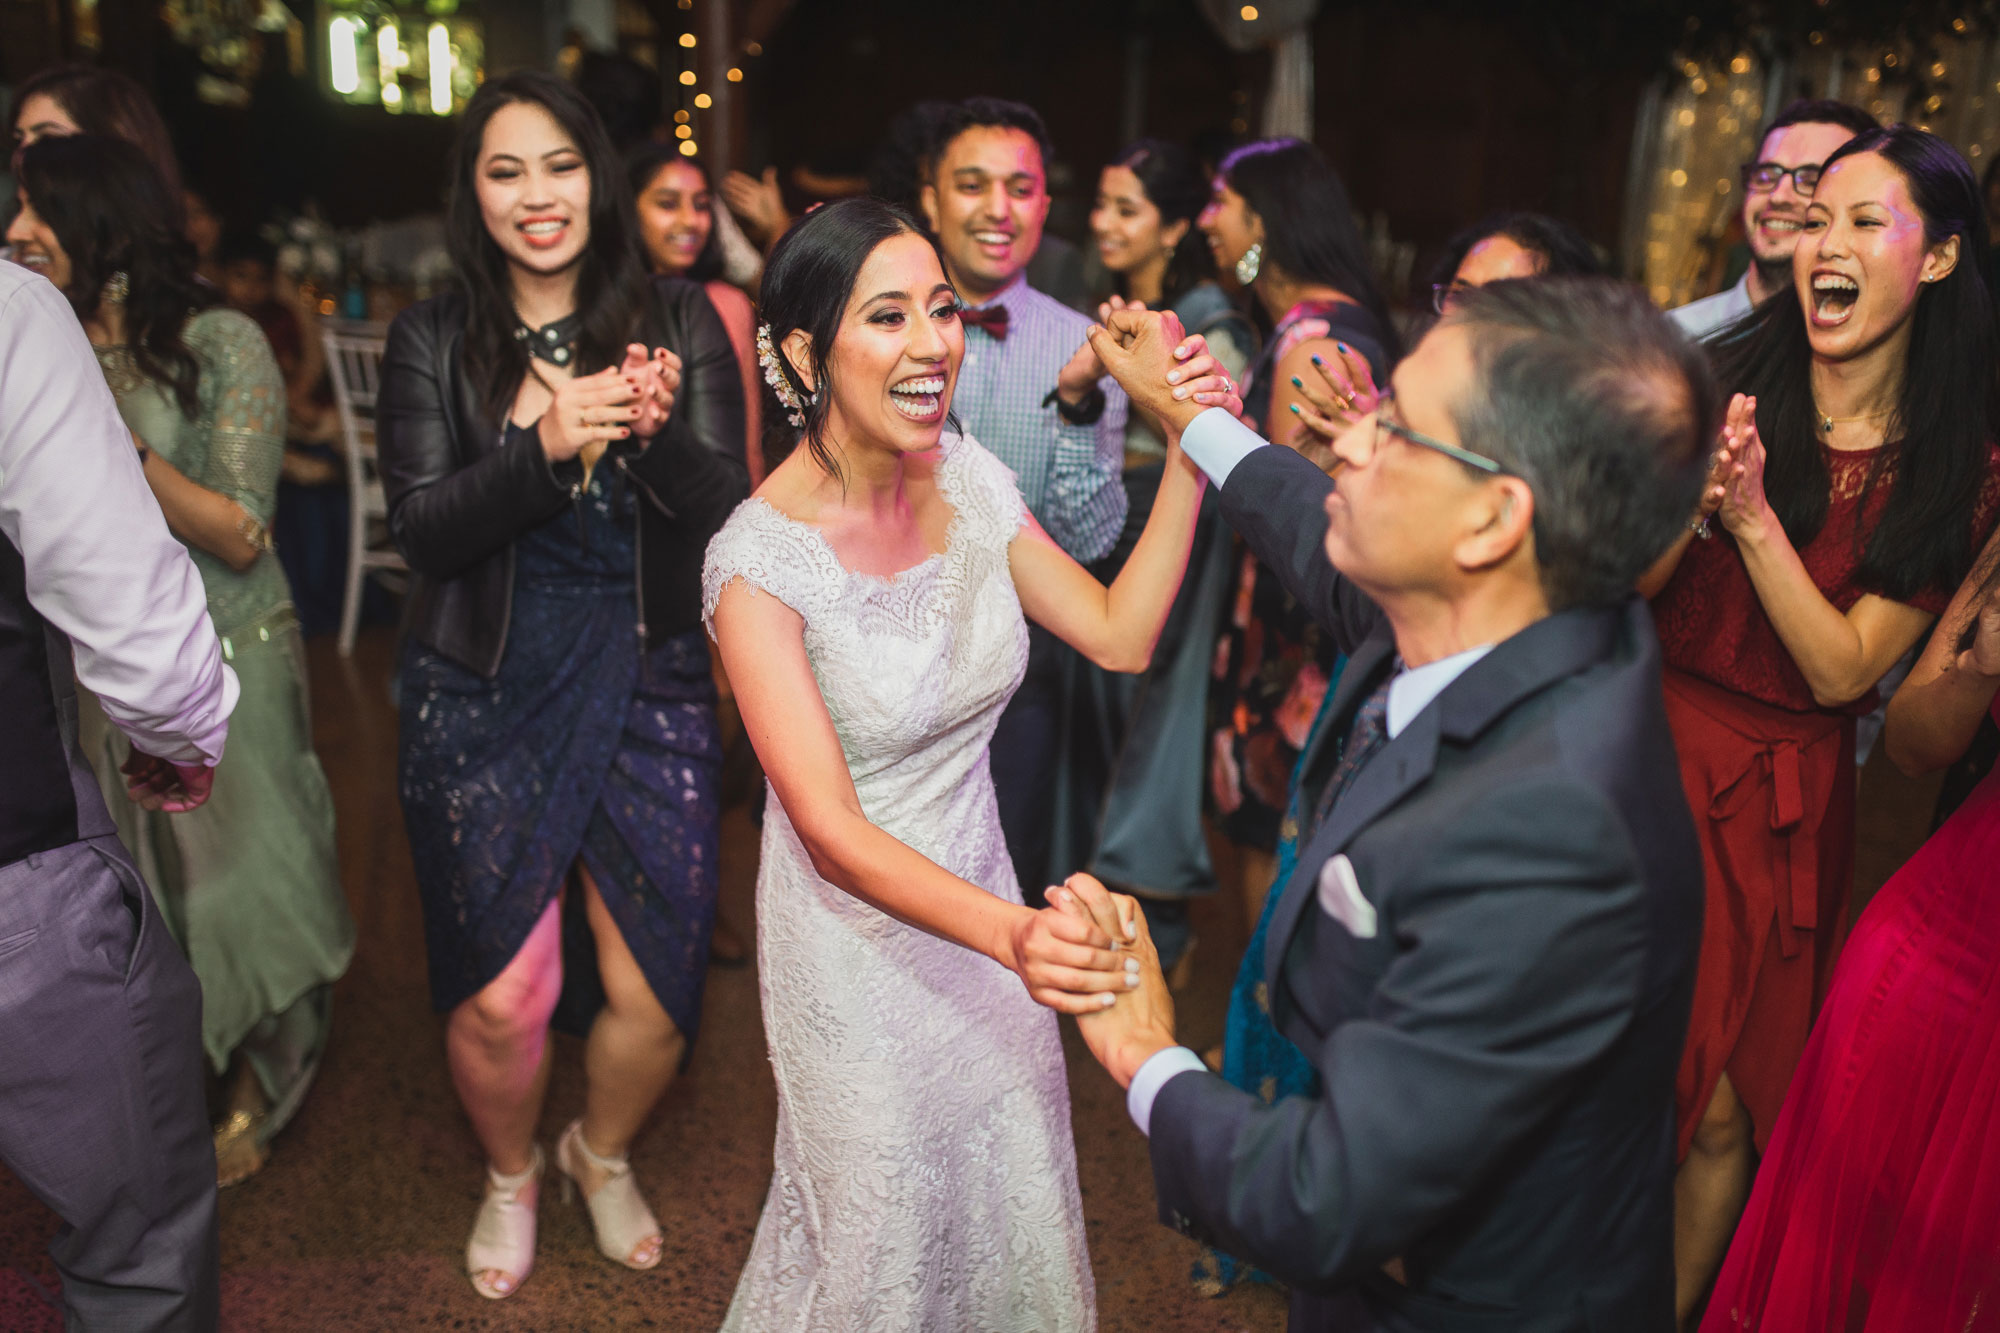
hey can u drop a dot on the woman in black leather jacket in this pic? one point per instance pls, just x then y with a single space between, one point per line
558 441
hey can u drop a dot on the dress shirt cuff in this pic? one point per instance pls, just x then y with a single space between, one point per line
1161 1066
1217 442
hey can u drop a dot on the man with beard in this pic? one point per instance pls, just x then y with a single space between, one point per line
1776 189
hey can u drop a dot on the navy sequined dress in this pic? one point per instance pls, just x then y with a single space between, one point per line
575 750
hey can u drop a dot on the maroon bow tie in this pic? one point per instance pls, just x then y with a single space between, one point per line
992 318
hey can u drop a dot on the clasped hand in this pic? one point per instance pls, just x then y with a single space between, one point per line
1166 373
633 398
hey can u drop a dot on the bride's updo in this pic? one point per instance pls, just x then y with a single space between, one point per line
808 281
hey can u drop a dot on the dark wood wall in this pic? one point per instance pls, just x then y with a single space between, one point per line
1434 119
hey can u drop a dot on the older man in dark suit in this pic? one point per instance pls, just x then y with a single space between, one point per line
1488 945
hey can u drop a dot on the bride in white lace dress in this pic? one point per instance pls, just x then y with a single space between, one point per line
868 605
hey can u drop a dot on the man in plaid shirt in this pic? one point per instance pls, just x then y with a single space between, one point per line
1028 391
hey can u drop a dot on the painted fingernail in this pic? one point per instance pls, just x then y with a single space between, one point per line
1107 1000
1181 392
1132 966
1316 361
1295 410
1343 348
1173 377
1131 930
1131 981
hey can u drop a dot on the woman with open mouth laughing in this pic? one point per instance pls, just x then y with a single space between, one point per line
1855 482
870 603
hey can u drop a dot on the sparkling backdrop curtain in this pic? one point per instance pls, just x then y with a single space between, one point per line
1698 126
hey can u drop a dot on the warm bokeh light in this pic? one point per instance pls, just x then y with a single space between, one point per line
687 148
687 77
344 61
703 101
440 69
687 39
735 75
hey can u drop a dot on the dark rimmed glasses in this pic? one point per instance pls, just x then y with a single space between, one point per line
1452 451
1445 295
1764 177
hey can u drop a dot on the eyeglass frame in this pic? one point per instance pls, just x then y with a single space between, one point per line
1442 292
1799 183
1490 466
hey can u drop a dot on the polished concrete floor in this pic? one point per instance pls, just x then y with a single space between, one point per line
359 1221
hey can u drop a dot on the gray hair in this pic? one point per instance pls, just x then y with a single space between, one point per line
1594 398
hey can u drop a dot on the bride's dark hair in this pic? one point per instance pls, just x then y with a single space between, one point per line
808 280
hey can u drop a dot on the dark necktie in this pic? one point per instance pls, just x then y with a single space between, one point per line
992 318
1369 733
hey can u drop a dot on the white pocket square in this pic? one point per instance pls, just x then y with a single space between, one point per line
1340 898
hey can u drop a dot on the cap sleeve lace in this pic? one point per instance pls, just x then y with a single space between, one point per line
770 554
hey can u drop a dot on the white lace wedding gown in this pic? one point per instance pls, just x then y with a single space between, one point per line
925 1173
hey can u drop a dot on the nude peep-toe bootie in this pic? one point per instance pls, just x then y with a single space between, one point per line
618 1213
503 1236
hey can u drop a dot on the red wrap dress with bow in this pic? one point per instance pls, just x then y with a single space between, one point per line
1770 778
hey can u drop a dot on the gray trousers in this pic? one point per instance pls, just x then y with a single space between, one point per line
101 1101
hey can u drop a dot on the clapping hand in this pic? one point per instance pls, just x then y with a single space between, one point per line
657 378
154 783
1337 396
758 203
589 410
1979 647
1743 507
1139 1023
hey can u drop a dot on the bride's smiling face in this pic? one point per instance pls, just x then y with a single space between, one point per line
895 358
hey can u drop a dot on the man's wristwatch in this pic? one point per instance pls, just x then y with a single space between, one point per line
1084 413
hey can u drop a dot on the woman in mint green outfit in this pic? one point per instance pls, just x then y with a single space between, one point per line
247 883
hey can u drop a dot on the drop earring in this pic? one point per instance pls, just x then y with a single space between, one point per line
1248 266
116 288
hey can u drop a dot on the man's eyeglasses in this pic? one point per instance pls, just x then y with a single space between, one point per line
1445 295
1763 177
1466 456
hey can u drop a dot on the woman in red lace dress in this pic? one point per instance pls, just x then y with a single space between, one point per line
1856 482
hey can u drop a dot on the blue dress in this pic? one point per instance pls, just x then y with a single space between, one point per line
578 749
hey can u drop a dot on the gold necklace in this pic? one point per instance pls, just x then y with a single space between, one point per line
1827 423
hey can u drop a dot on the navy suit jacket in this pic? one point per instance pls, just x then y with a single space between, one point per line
1493 982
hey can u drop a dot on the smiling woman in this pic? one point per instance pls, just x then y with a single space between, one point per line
869 604
1857 480
558 442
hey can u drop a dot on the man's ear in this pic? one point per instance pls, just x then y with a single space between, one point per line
927 199
797 351
1503 523
1941 260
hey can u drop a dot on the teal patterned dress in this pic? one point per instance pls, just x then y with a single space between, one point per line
1255 1055
247 883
